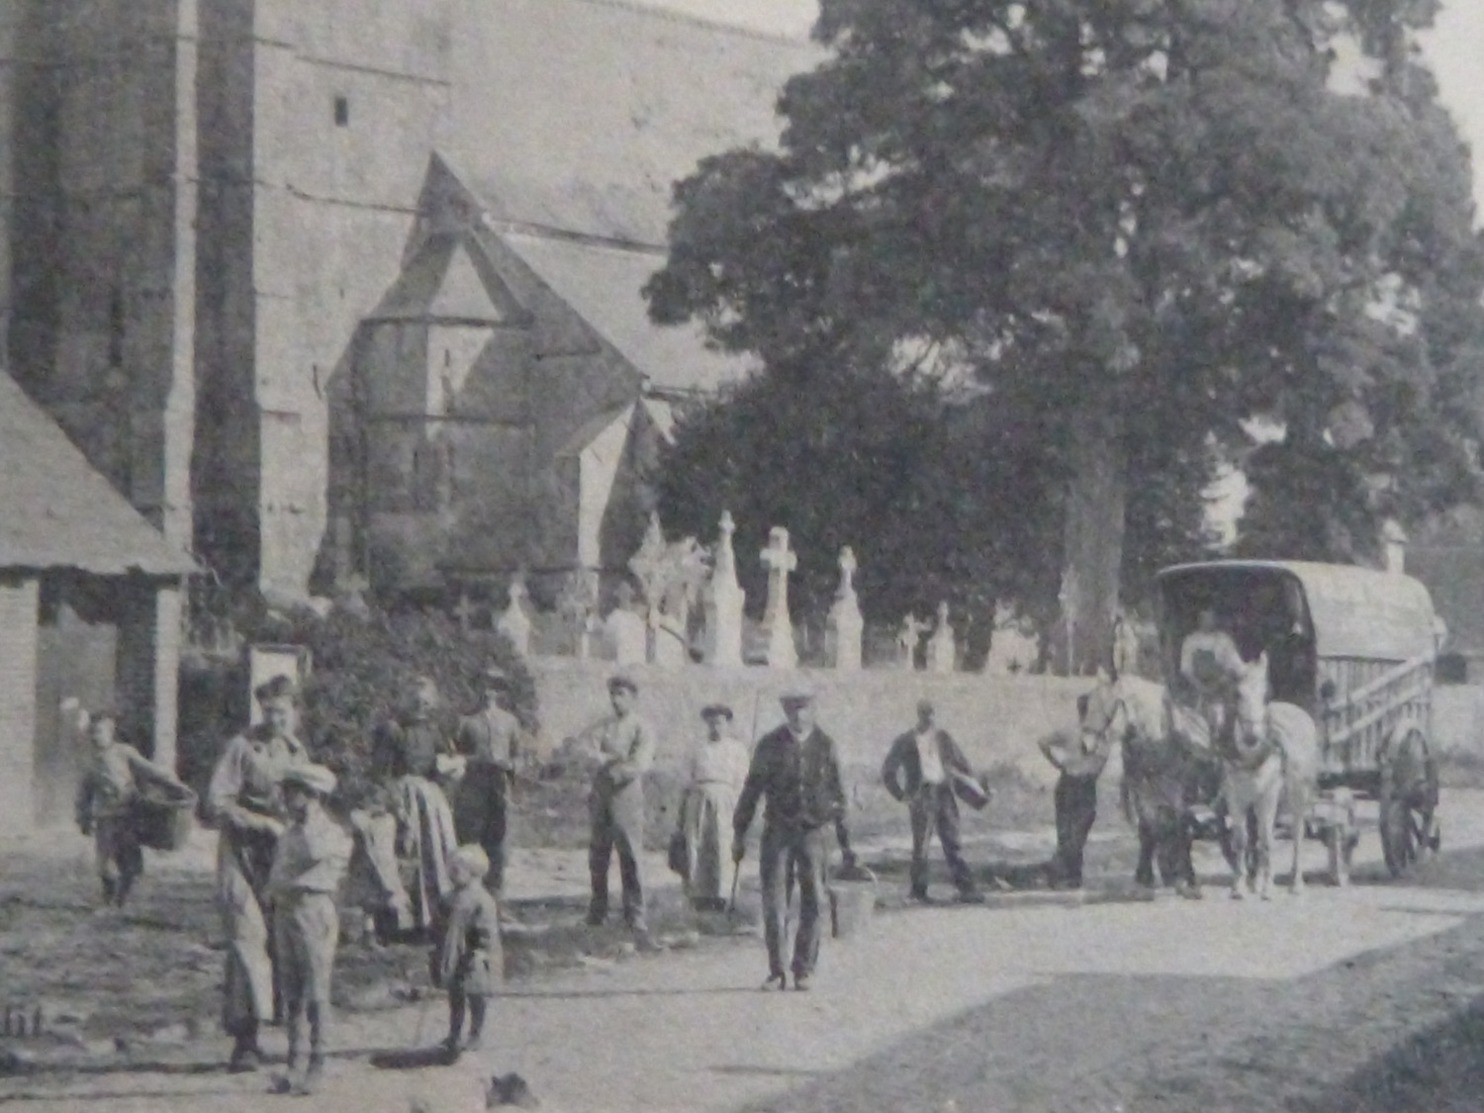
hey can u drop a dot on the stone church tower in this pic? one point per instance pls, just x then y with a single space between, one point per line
352 286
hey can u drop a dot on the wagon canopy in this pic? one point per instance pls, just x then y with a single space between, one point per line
1355 612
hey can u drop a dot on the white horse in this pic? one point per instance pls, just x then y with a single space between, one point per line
1273 751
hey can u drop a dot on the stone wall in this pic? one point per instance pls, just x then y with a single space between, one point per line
100 244
995 720
19 614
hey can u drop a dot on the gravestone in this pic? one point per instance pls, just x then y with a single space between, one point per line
907 640
941 651
846 627
515 623
777 624
724 601
626 632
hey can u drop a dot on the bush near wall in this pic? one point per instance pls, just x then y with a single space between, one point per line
363 663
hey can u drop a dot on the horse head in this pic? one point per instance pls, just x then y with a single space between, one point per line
1251 697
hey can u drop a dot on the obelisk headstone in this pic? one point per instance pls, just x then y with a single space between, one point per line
724 600
846 627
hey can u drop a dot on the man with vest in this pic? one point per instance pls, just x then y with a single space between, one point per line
922 769
489 742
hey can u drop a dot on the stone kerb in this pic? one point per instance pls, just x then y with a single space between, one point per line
995 718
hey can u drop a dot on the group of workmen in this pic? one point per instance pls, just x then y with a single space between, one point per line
282 858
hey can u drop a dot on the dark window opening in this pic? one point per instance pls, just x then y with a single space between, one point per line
342 112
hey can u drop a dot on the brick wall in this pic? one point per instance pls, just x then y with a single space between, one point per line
18 638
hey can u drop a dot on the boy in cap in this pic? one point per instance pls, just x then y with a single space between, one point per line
797 769
922 768
308 865
105 802
625 747
468 961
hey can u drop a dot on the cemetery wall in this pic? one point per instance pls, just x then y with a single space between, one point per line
995 719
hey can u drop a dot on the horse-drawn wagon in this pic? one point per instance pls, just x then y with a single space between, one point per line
1354 648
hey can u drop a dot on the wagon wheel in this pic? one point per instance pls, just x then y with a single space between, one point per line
1409 801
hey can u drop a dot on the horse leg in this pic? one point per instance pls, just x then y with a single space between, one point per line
1271 788
1298 808
1236 823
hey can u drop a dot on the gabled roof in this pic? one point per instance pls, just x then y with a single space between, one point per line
580 115
56 511
602 284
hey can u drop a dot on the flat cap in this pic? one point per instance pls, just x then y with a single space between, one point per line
316 778
623 680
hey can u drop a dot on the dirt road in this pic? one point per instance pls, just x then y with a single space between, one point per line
1030 1004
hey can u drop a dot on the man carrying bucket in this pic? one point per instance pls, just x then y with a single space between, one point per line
797 768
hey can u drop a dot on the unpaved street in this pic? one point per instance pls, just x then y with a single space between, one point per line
1035 1003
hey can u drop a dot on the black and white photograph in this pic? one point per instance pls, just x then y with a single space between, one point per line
742 556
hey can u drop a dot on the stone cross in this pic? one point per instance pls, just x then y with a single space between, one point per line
911 633
723 601
464 612
941 649
776 621
846 626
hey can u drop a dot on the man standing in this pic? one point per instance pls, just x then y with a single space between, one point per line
797 768
411 747
625 746
489 741
1076 794
930 761
246 804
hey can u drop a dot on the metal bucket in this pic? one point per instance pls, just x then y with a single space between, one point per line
852 900
164 816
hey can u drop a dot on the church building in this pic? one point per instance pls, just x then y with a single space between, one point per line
352 288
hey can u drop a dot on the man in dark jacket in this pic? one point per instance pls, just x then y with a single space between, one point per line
797 768
921 769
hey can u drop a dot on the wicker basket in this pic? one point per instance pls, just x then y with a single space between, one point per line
164 815
852 900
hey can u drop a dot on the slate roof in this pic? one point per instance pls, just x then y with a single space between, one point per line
602 284
57 511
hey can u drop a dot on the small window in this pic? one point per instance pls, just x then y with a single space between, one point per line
342 112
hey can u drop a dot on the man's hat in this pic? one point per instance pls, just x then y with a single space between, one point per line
800 691
316 778
716 710
925 704
623 680
495 677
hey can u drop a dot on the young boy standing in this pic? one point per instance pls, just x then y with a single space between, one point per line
105 804
310 861
469 961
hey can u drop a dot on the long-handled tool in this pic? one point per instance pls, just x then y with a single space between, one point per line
732 902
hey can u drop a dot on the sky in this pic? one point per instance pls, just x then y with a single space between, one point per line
1455 49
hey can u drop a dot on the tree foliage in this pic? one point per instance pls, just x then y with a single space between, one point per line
1139 222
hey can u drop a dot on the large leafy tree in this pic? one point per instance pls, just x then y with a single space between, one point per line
1140 221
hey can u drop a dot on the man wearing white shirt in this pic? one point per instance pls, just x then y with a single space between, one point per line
923 768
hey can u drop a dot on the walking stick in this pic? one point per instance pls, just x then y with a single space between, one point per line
736 873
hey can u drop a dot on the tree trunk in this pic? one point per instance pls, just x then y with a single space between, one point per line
1094 536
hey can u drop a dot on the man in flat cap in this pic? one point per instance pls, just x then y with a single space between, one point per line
923 768
797 769
624 743
489 742
245 802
